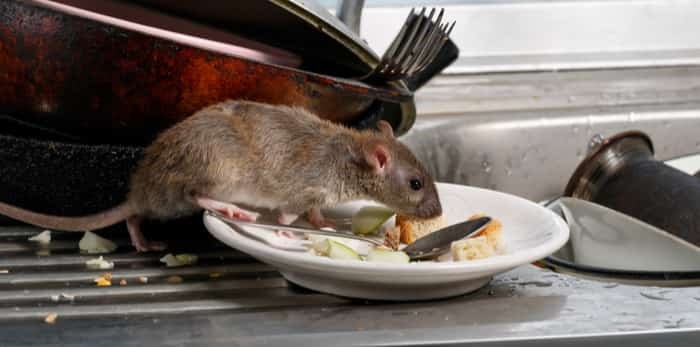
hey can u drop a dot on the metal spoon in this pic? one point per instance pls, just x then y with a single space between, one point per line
439 242
426 247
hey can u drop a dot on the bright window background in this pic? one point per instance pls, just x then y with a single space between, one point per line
526 35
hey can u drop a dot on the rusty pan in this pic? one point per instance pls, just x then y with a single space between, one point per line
102 83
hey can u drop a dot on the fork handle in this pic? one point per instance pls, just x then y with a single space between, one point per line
295 229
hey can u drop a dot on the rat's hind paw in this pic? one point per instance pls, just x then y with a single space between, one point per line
227 209
150 246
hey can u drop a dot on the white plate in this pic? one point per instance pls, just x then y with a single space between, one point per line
530 232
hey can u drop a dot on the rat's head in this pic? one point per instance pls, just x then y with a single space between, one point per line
395 177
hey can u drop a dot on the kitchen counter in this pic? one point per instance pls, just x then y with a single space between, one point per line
248 303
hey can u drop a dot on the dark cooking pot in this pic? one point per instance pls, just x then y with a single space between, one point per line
101 83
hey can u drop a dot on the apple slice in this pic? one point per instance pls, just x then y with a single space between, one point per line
381 255
369 218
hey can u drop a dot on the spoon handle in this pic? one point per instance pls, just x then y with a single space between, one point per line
296 229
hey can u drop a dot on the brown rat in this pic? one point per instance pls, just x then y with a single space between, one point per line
262 156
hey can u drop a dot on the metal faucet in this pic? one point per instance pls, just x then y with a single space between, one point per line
350 13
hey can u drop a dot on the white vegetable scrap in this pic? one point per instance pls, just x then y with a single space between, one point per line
43 238
93 243
171 260
99 264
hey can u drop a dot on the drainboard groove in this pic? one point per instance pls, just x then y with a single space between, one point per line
118 259
178 307
134 290
129 274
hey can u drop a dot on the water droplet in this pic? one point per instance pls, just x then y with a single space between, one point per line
523 156
579 153
574 129
653 296
571 98
697 144
486 166
595 141
667 123
509 172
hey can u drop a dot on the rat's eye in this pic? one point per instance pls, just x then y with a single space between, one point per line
416 184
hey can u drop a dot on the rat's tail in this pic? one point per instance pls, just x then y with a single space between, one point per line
82 223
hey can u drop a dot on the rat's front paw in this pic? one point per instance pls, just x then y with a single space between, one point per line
317 219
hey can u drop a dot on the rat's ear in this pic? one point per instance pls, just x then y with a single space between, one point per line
373 155
377 157
385 128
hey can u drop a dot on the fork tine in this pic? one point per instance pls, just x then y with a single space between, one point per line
447 34
418 44
435 45
407 42
400 37
426 45
443 39
399 43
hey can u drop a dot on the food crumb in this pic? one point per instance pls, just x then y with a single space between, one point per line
171 260
143 279
215 275
43 238
122 282
101 282
4 271
51 318
67 297
105 280
99 264
54 298
174 279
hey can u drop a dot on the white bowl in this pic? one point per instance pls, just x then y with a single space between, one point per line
604 238
530 232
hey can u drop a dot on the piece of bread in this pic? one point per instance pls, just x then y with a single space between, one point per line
482 245
492 231
472 248
392 237
415 228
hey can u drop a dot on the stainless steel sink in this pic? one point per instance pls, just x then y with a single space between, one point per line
525 133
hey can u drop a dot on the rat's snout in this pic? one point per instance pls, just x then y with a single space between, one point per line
429 207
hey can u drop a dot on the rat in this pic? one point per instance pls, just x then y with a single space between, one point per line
235 155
